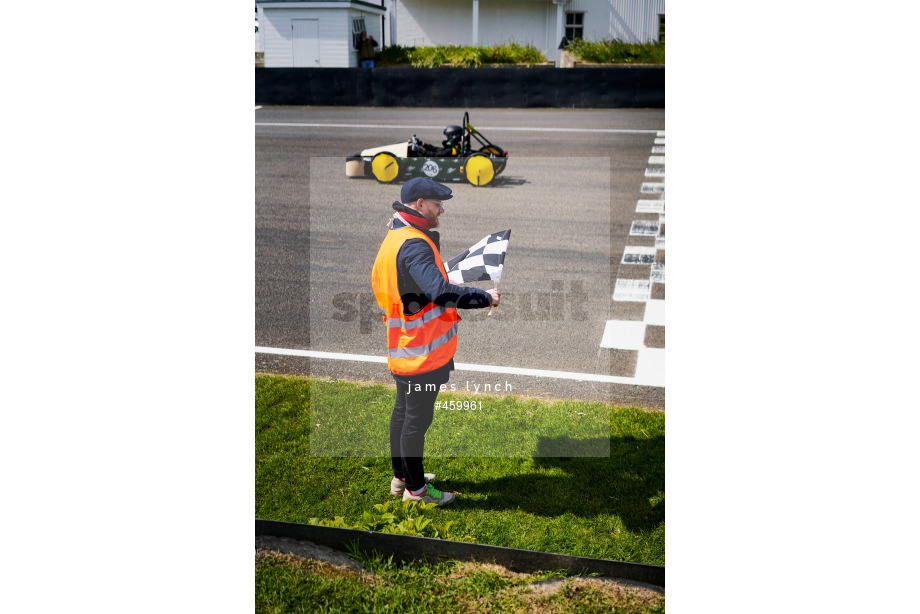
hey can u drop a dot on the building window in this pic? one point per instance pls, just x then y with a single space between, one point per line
357 26
661 28
574 25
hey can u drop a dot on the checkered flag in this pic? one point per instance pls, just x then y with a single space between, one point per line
481 262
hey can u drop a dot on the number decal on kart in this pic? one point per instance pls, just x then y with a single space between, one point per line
431 168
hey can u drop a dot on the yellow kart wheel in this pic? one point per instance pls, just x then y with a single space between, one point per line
385 167
479 169
499 159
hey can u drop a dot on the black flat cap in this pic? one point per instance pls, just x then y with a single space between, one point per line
423 187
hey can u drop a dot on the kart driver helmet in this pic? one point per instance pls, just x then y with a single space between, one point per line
452 135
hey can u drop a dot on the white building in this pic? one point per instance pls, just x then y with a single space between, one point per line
316 34
322 31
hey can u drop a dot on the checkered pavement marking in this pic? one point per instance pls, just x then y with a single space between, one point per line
631 334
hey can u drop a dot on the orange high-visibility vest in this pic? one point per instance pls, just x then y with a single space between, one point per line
420 342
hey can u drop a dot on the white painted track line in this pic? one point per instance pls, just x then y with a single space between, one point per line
328 355
462 366
441 127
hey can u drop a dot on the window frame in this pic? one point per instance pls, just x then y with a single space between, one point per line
357 26
577 30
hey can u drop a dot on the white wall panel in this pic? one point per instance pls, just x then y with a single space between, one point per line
334 38
503 21
450 22
423 23
633 21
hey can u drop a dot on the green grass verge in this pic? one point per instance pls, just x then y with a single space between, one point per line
617 52
604 507
466 425
290 584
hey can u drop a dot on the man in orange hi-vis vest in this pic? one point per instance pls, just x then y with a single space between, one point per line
419 308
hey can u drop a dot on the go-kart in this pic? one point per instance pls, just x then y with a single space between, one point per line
454 161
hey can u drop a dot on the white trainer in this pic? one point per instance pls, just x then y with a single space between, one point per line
398 487
431 495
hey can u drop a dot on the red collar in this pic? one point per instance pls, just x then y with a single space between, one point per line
415 220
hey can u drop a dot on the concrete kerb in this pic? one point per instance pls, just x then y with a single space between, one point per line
411 548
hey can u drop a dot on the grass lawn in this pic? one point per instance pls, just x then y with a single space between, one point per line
604 507
290 584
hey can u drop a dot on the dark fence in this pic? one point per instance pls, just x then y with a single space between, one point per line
613 87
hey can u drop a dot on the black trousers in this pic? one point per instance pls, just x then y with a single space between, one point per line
412 415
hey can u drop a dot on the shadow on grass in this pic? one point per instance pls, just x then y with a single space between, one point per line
629 483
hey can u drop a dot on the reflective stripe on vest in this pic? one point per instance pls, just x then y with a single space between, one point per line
426 317
423 350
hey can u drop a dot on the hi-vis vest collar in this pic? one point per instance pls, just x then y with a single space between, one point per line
420 342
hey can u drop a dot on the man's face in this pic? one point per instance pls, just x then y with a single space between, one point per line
430 210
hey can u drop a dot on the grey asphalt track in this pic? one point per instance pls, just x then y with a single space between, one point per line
569 195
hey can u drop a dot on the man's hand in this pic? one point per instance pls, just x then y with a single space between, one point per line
495 295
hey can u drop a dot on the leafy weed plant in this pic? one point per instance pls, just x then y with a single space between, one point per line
403 517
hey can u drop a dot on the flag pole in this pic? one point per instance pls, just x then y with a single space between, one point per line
491 307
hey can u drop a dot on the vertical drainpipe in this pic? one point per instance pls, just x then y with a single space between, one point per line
392 22
475 23
560 29
383 27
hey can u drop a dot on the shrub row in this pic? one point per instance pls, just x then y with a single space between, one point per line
617 52
603 52
469 57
